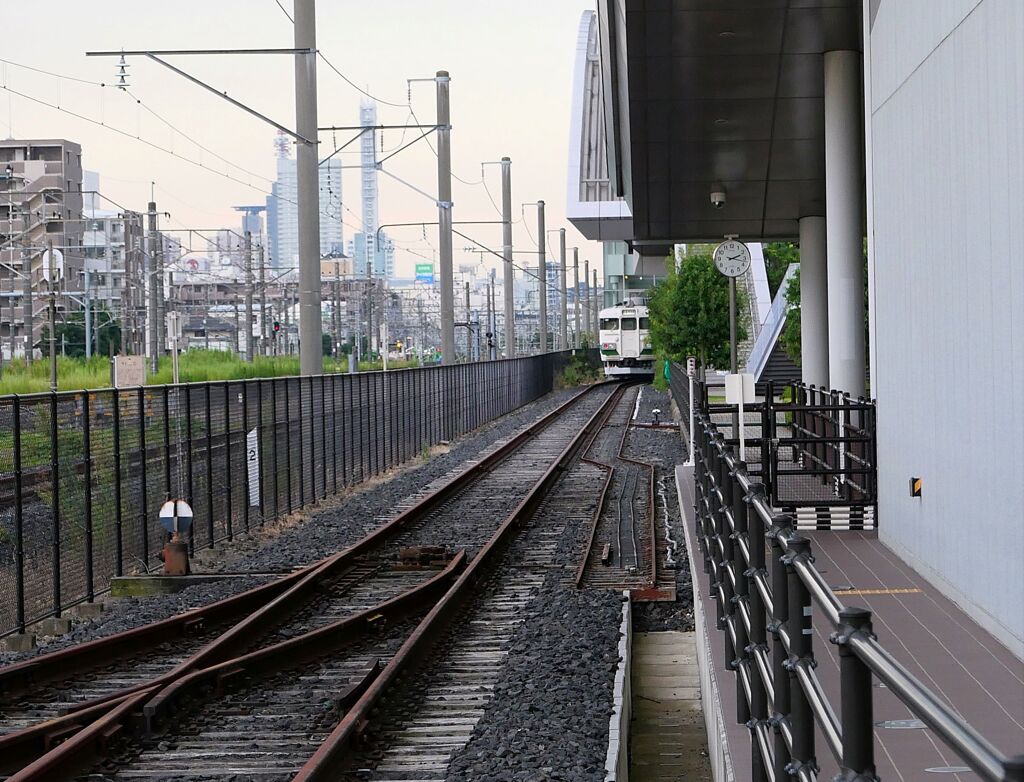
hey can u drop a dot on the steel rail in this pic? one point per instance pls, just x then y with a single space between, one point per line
18 746
333 753
91 743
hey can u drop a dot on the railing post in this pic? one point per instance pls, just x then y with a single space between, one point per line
19 537
90 593
288 442
229 484
754 528
723 556
740 600
856 709
782 524
260 449
55 486
189 481
167 442
115 397
245 453
801 654
209 466
143 477
323 430
274 449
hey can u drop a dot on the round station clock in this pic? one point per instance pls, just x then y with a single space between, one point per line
732 258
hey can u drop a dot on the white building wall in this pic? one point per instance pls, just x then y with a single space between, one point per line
947 187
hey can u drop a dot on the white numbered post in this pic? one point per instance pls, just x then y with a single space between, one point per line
739 389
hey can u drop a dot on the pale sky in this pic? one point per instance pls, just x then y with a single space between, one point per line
511 63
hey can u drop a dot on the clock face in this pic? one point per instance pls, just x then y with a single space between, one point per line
732 258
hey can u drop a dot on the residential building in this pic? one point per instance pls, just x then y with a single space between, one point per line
40 205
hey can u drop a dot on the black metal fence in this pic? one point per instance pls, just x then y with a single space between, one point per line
806 446
762 578
83 474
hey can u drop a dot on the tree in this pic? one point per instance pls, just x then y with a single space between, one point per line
71 334
689 312
777 258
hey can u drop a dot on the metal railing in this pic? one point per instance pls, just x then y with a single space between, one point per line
762 579
816 449
83 474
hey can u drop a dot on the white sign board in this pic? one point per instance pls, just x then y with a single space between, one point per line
252 464
58 264
129 371
739 389
691 366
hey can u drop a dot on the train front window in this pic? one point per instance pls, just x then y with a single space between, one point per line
629 324
645 324
609 324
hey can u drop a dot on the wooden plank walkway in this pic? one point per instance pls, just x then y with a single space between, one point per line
668 742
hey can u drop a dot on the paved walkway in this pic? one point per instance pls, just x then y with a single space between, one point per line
667 737
936 641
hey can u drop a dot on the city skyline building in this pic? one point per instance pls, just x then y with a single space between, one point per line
283 216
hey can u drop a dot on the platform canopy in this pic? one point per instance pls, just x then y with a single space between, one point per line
708 92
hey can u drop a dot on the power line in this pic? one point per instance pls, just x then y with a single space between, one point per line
284 11
356 87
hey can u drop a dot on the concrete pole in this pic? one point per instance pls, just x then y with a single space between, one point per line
490 317
542 278
813 302
88 317
264 323
576 296
250 354
844 198
444 217
150 273
28 316
563 306
506 230
597 304
469 327
238 330
587 301
53 319
308 191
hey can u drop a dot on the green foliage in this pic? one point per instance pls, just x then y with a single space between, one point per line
790 337
70 334
690 312
326 348
777 258
581 368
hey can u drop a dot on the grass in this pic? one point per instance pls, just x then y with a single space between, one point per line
75 374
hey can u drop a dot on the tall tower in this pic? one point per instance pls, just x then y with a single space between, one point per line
368 146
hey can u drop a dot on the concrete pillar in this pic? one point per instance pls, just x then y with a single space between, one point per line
844 198
813 302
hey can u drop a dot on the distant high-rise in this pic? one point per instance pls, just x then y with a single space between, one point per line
283 213
383 256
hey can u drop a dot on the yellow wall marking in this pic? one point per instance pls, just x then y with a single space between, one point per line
903 591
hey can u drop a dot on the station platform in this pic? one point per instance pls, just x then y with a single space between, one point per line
933 638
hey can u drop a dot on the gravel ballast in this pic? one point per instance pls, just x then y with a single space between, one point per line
664 448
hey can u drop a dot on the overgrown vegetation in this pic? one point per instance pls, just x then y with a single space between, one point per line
689 312
77 373
582 367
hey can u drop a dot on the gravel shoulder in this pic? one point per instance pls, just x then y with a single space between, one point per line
301 538
664 449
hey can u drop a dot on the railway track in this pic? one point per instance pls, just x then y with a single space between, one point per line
111 696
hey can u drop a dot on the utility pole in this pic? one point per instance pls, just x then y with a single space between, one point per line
469 329
28 311
590 291
308 190
238 332
576 296
249 353
542 277
563 323
337 310
506 230
264 326
53 319
444 216
88 318
150 274
597 305
492 324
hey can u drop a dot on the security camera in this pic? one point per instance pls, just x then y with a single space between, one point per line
718 198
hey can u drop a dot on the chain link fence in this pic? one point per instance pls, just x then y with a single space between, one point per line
83 474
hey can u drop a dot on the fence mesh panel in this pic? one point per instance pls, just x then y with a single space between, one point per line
96 466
